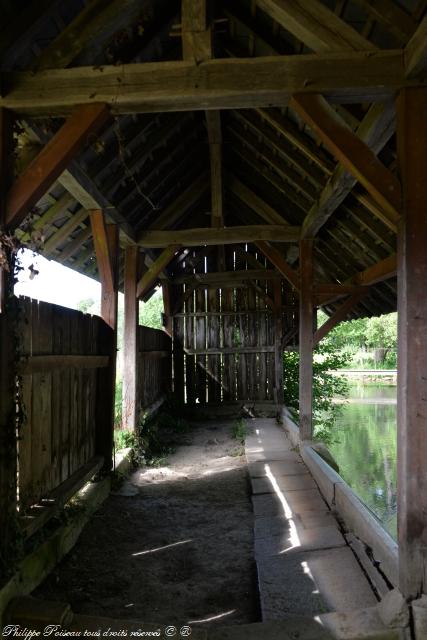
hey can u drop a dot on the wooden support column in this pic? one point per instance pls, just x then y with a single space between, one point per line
130 341
8 441
167 306
306 339
278 344
412 344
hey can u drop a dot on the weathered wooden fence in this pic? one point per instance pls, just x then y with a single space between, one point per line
154 365
64 364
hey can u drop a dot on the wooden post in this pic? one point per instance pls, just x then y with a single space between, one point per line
412 344
108 345
167 307
306 339
130 341
8 441
278 346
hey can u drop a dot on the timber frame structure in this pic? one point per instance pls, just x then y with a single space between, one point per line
257 158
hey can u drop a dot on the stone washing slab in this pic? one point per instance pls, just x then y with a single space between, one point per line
293 540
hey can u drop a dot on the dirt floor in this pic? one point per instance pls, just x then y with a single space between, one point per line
174 545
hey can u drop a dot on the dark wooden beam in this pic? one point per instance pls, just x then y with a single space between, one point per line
213 122
196 34
315 25
375 130
214 84
83 29
52 160
306 314
153 272
130 341
278 261
339 315
382 270
102 249
179 207
350 150
416 51
196 279
412 345
209 236
64 231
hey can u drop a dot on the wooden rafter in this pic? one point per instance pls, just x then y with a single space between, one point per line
86 26
50 215
375 130
179 207
350 150
416 51
155 269
278 260
383 270
209 236
358 76
339 315
315 25
52 160
64 231
250 199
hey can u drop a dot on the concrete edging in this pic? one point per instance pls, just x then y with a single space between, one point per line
34 568
341 498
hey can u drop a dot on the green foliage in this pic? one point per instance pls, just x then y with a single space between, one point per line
326 386
118 402
150 312
124 438
239 430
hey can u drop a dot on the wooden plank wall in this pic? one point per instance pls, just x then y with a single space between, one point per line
224 338
59 433
154 365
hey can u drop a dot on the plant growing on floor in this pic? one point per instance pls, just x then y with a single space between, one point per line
326 387
239 430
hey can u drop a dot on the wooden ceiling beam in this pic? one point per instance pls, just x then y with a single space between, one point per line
83 29
53 212
387 13
347 76
155 269
195 279
208 236
74 245
375 130
42 172
416 51
351 151
63 232
182 203
278 261
315 25
382 270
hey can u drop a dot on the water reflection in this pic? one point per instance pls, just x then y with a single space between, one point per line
366 451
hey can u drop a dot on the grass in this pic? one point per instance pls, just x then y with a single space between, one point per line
239 430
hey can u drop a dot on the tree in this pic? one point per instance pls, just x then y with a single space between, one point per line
150 312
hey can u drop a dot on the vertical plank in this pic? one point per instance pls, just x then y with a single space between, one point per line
278 350
130 351
178 352
306 339
190 360
24 444
412 344
200 328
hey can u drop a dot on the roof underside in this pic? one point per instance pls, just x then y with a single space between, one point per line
153 170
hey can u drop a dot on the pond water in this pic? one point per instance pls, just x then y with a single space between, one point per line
366 449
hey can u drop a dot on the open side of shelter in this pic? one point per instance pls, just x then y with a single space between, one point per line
259 160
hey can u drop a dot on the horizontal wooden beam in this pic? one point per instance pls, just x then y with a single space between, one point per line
379 272
350 150
229 350
213 84
52 160
207 236
224 276
155 269
39 364
278 261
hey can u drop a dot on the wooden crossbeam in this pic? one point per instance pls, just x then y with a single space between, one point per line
102 249
54 211
396 20
350 150
246 195
52 160
340 314
416 51
229 83
379 272
207 236
278 260
155 269
83 29
224 276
